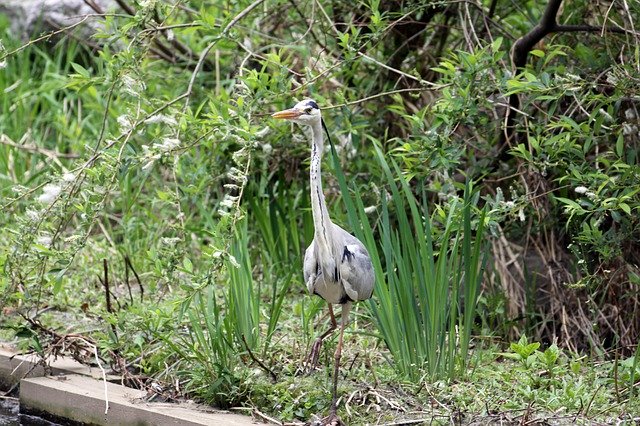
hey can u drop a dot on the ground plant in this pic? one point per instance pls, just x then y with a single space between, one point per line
486 153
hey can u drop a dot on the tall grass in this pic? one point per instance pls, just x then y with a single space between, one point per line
226 321
426 289
243 297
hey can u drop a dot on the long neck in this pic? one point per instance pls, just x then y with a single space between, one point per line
321 221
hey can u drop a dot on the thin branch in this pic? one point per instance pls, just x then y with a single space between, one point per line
210 46
128 264
104 380
105 283
260 363
590 29
5 140
46 37
524 44
519 53
389 93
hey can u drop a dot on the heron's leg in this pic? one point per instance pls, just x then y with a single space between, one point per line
312 359
336 371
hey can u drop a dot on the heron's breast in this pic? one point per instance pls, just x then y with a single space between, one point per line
330 290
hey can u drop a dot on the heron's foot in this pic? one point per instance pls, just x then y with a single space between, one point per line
311 363
332 420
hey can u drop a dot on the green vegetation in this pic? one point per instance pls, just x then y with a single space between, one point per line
152 207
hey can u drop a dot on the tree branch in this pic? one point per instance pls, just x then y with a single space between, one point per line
520 51
524 44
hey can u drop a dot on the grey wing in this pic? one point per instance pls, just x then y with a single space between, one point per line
356 269
310 266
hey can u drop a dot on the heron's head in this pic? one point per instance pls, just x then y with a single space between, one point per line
304 112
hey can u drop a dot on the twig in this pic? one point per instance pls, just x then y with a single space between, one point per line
46 37
409 422
5 140
105 283
257 361
265 417
10 398
389 93
126 281
548 24
128 264
586 411
375 61
107 292
210 46
104 380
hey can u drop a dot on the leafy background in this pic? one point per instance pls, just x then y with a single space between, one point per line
152 210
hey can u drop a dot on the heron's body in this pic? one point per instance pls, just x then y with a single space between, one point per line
337 266
348 277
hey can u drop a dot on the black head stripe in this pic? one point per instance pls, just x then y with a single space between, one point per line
312 104
324 126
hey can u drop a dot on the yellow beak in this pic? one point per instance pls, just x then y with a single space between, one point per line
287 114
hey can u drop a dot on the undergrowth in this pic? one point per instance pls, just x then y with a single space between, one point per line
152 210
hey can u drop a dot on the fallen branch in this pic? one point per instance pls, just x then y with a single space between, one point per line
260 363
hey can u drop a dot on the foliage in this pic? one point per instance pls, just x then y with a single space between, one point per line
426 296
146 158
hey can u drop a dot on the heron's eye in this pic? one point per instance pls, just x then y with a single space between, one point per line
308 110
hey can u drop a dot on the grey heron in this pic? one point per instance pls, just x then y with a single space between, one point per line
337 266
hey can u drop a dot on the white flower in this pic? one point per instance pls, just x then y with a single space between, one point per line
510 204
125 123
170 241
148 164
237 175
370 209
49 193
147 4
590 195
167 144
229 201
44 240
581 189
521 215
132 86
267 148
629 114
33 215
612 79
68 177
161 118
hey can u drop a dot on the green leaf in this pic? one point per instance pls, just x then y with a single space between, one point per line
495 46
620 145
570 203
187 265
625 208
80 70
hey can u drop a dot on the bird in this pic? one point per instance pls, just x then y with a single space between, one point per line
337 266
